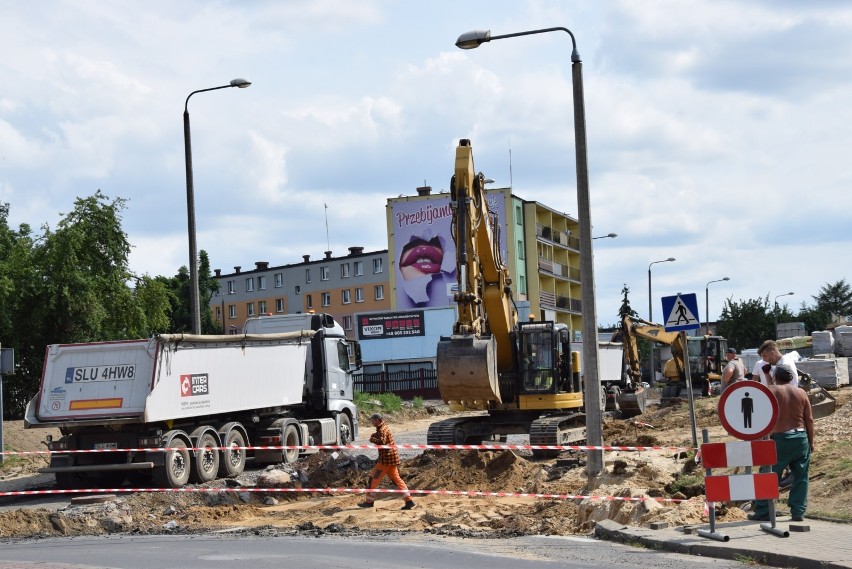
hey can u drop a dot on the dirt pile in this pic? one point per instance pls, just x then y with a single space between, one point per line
666 483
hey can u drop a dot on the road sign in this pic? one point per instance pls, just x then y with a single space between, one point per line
748 410
680 312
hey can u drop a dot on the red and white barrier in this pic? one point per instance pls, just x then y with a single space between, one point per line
473 493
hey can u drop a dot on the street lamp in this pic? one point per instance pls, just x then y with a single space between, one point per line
775 310
194 308
707 304
651 313
594 429
608 235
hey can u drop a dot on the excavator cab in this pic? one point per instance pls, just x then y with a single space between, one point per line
544 360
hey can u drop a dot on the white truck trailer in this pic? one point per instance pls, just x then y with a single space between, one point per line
285 381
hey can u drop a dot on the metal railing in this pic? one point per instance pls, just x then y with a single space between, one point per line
406 384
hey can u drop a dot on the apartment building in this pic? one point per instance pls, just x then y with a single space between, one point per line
340 286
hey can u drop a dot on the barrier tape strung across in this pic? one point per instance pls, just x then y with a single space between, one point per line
370 447
473 493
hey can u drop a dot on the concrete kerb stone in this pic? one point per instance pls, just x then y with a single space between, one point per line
676 540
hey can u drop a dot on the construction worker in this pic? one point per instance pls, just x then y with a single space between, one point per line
388 463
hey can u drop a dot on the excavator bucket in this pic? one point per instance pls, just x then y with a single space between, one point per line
467 370
823 403
631 403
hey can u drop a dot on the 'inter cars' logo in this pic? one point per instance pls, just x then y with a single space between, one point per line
194 384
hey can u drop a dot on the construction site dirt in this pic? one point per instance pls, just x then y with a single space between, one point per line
637 487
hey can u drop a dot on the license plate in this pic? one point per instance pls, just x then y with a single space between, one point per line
105 446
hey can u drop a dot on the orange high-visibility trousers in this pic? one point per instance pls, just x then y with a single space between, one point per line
392 472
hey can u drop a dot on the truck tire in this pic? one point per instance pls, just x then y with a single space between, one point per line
345 430
175 472
205 462
290 437
233 459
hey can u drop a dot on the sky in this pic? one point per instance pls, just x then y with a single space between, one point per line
716 129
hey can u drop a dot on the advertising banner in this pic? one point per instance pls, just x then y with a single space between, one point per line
391 325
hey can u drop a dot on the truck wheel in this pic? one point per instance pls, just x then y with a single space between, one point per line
233 460
345 432
205 463
616 394
175 472
289 438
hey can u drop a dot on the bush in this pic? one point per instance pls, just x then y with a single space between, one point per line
417 402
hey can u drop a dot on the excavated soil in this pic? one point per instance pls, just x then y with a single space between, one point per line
666 479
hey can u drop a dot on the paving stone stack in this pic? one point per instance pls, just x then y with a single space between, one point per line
843 341
830 372
823 342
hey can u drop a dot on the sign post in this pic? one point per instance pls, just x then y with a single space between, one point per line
680 314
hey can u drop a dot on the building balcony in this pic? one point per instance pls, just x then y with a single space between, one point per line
547 233
561 303
559 270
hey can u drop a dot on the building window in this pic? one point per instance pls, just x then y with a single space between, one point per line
326 299
324 272
218 313
344 271
309 302
346 296
250 309
359 295
520 249
518 215
307 275
279 305
279 280
377 265
522 284
261 283
347 322
232 287
359 268
232 311
261 306
249 284
380 292
298 289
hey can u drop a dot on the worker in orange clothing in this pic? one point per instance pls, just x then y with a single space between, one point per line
388 463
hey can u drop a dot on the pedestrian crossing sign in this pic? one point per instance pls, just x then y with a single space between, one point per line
681 312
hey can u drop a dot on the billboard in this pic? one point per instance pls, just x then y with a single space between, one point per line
424 250
391 325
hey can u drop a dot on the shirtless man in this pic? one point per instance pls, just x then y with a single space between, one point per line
793 434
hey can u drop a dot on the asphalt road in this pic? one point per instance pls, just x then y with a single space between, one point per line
378 552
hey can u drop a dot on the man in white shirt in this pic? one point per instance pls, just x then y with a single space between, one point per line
772 356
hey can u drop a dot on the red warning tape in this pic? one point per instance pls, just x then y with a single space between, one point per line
371 447
349 491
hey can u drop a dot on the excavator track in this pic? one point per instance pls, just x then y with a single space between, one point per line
556 430
444 432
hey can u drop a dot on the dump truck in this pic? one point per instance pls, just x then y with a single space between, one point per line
180 408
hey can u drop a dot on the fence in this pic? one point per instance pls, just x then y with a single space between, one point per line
407 384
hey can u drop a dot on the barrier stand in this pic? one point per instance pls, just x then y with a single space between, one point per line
740 487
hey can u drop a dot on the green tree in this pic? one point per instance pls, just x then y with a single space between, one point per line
746 324
833 300
178 287
70 285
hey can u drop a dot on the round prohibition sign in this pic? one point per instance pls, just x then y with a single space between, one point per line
748 410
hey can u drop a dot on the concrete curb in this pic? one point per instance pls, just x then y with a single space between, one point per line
769 550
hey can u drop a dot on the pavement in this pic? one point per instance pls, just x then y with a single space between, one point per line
809 544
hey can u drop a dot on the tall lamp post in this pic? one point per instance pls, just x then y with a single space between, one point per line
707 303
194 308
594 429
651 313
608 235
775 310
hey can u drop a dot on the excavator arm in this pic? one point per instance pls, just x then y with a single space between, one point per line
469 363
633 328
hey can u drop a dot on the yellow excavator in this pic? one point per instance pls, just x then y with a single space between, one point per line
519 374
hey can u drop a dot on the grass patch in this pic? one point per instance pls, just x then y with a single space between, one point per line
687 484
378 402
417 402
